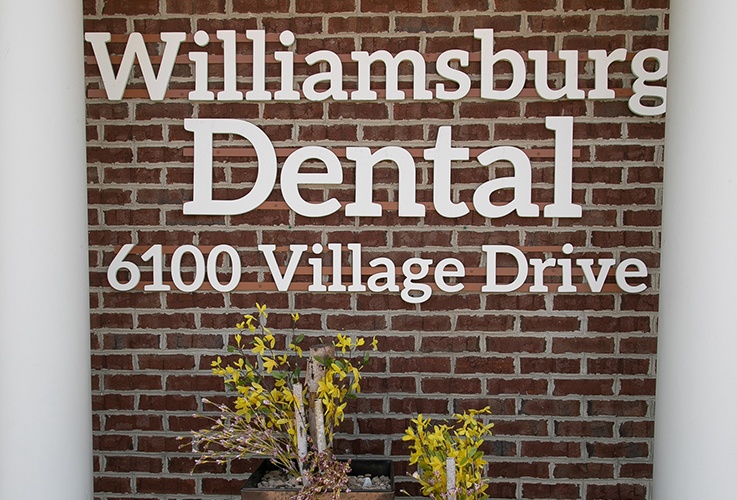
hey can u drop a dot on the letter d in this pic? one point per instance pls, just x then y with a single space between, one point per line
491 284
202 202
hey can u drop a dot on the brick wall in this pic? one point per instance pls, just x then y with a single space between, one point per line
569 377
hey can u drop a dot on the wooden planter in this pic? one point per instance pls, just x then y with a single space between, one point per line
251 491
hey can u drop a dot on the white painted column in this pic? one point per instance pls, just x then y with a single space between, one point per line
696 403
45 408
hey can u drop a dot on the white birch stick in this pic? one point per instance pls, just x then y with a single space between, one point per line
450 477
322 443
299 420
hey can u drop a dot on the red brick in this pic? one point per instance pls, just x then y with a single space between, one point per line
133 464
165 485
195 6
130 7
456 5
517 386
423 24
325 6
568 408
133 422
617 408
583 344
535 490
584 429
586 387
550 324
593 4
132 382
403 6
616 491
583 471
620 366
423 364
617 450
484 364
549 365
110 484
568 449
626 23
523 5
447 385
354 24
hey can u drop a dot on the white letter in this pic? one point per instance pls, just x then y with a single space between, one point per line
356 285
282 282
538 271
442 155
200 59
443 68
521 182
622 274
135 48
202 202
562 205
317 284
566 275
491 284
286 58
602 61
229 68
596 283
337 284
291 178
391 63
639 87
441 273
411 286
365 162
259 92
390 275
334 76
489 59
570 88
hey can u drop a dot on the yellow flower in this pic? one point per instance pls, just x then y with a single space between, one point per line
295 317
343 342
259 346
262 310
360 341
238 338
339 415
269 338
269 364
296 348
249 322
374 344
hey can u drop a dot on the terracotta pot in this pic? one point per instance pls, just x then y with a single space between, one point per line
251 491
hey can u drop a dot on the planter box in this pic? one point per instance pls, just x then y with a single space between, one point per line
251 491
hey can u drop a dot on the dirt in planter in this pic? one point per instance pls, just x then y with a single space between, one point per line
278 479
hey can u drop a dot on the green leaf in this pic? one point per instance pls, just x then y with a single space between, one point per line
231 348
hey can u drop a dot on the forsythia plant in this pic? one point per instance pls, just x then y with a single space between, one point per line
263 420
431 445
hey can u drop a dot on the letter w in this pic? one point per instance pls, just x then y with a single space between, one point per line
135 48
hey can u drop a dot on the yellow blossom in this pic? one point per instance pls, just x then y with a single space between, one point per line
259 346
262 310
343 342
374 344
269 364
